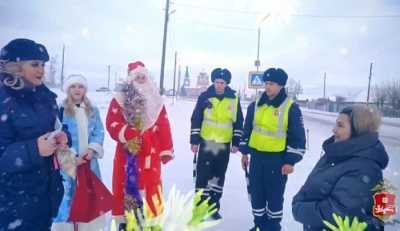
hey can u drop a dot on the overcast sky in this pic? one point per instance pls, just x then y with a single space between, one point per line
339 37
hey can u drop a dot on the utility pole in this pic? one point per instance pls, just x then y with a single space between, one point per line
257 62
164 47
324 85
108 80
369 82
174 89
178 90
62 67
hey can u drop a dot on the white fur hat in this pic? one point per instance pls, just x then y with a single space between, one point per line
72 79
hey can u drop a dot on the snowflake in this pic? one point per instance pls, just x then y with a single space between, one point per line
19 162
366 179
4 117
15 224
7 99
214 148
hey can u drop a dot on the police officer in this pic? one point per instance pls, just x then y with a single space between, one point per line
216 130
274 137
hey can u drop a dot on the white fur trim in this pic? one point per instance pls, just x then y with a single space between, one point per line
62 226
75 78
82 125
96 224
147 162
119 219
121 134
73 151
167 153
120 98
98 149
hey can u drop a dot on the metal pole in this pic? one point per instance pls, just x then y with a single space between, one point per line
324 85
62 67
369 82
108 81
258 49
174 89
163 48
257 63
178 90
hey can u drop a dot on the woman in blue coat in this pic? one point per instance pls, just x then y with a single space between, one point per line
30 184
343 179
87 133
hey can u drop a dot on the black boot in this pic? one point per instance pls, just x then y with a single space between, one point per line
122 227
216 216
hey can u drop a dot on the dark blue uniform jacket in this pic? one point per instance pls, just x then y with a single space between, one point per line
203 103
295 139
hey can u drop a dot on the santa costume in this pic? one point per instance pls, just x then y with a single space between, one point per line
137 120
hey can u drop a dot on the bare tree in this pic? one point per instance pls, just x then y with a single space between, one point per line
393 93
294 88
51 73
379 95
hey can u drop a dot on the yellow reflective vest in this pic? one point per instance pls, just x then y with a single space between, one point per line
270 125
218 120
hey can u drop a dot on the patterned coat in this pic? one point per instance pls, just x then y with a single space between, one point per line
156 145
95 141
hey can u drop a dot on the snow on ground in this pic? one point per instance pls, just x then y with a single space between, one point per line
235 207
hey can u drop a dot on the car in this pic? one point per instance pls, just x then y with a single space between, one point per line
103 89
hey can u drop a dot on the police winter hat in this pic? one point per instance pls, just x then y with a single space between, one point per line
219 73
276 75
23 50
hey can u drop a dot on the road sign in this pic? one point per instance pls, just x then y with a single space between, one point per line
255 79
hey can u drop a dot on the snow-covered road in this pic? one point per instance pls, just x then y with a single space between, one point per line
236 208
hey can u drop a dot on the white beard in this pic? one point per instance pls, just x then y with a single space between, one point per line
153 102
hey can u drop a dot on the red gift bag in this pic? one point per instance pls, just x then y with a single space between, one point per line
91 199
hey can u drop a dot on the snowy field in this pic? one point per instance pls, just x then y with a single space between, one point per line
235 207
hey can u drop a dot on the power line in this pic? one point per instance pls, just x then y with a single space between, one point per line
180 19
396 16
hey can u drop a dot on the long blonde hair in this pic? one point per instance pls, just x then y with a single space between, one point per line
69 104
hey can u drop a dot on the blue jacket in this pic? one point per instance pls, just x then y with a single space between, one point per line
295 139
95 140
30 188
203 103
341 183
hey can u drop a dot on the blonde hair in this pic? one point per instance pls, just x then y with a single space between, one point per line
366 119
13 74
69 104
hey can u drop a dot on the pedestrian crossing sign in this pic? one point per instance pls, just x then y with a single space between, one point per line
255 79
